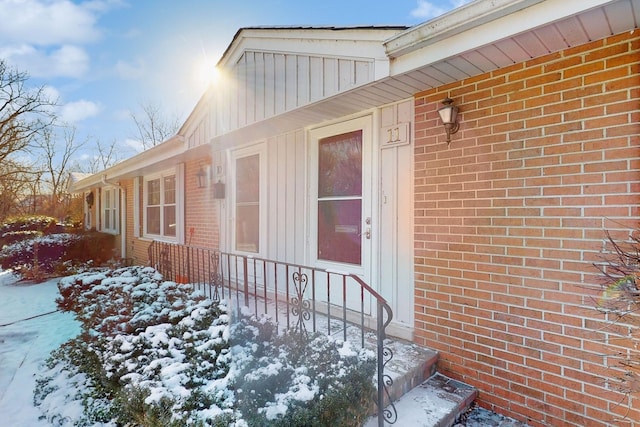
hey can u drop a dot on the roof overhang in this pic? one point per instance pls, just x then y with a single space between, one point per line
157 158
477 38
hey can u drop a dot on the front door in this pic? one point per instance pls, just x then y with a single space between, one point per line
340 200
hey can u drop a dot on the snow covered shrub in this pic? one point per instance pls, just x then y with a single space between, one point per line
55 252
43 252
152 349
294 380
42 223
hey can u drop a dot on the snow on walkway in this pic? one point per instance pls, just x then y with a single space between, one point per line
26 344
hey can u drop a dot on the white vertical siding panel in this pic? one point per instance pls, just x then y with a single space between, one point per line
303 80
291 82
280 84
269 84
250 93
259 94
301 196
281 230
330 76
233 94
364 72
272 198
242 91
346 74
291 197
316 79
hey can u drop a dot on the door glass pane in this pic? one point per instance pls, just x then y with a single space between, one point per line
340 165
339 237
247 199
247 179
247 228
340 198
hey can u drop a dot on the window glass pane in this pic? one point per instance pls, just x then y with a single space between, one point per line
107 219
248 179
107 199
153 220
339 236
169 189
247 228
340 165
169 221
153 192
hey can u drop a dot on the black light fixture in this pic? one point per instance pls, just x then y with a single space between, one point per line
201 175
449 117
89 199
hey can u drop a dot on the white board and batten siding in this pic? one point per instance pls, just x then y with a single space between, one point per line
286 197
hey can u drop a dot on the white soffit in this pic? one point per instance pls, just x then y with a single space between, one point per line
541 27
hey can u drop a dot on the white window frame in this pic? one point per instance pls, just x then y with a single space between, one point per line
110 208
261 151
178 172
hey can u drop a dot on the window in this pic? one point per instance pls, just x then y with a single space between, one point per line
110 210
247 199
161 206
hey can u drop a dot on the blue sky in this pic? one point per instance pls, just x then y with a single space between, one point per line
102 58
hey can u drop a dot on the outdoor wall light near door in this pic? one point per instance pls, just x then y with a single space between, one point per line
201 175
449 117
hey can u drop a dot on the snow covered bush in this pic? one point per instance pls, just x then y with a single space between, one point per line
147 348
50 253
293 380
40 223
156 353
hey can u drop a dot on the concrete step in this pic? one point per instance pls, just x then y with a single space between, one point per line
409 366
437 402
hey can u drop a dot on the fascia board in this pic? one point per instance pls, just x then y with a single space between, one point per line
434 47
132 166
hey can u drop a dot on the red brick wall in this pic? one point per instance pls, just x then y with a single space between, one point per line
201 209
509 220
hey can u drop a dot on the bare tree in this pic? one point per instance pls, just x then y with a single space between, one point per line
153 125
24 112
18 183
57 152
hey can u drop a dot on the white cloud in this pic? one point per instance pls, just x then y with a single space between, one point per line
129 71
65 61
134 144
427 10
431 9
73 112
70 61
46 23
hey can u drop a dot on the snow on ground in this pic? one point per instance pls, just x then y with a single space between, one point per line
26 344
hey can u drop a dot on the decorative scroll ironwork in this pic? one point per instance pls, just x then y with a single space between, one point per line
390 412
229 273
300 307
215 277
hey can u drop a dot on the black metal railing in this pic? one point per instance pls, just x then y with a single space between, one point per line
297 297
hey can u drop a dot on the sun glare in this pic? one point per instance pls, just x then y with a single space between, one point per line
206 73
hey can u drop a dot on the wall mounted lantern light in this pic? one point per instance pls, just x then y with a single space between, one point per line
201 175
449 117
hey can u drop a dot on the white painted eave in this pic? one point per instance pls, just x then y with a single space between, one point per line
156 158
454 22
475 25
